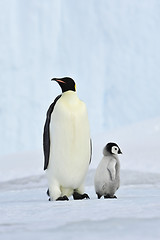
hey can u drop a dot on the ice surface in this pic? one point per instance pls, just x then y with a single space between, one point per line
26 214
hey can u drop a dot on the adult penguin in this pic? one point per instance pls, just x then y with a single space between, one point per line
66 144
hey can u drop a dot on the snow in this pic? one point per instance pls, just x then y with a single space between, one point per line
26 212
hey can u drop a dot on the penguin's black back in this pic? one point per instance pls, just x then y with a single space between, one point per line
46 133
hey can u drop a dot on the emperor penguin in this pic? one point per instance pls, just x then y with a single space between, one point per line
66 144
107 176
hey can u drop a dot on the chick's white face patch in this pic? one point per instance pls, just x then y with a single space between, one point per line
114 150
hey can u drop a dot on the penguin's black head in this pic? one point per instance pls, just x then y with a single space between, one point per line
113 148
66 84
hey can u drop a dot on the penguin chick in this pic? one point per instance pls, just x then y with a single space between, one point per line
107 177
66 144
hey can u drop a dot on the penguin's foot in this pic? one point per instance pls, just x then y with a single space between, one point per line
64 198
109 196
99 195
78 196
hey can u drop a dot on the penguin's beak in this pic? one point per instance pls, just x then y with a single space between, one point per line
120 152
57 80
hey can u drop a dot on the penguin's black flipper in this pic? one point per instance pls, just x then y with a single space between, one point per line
46 134
48 193
90 151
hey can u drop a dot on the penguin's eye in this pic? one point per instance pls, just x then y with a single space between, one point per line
114 150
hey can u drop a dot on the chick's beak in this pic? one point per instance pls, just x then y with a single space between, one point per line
120 152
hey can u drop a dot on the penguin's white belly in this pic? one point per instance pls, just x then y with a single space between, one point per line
69 144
